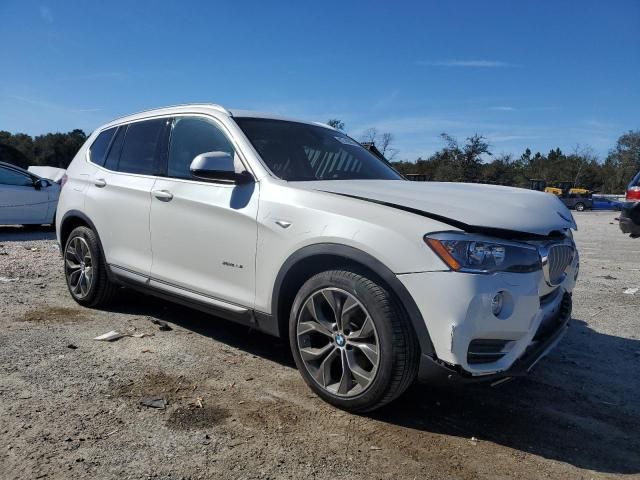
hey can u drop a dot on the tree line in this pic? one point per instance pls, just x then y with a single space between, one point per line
467 162
463 162
455 162
51 149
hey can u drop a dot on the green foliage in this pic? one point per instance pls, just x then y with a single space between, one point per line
623 162
463 163
336 123
455 162
51 149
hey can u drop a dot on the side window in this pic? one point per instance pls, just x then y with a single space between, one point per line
98 149
141 150
11 177
116 147
190 137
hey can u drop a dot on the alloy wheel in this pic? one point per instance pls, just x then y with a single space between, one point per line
338 342
78 265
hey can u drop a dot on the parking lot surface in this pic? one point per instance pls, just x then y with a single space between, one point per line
70 406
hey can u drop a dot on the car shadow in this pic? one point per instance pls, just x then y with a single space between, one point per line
10 233
577 407
564 411
233 334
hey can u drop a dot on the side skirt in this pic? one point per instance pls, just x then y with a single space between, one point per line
260 321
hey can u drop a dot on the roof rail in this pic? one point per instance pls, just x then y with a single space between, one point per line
220 108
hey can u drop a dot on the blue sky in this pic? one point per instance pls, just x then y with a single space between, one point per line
522 73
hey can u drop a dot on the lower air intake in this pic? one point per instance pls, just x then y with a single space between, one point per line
486 351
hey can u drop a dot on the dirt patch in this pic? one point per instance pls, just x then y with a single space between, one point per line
270 416
237 408
189 407
194 417
170 387
52 315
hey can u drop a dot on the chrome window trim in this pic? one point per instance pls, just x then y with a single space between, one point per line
219 124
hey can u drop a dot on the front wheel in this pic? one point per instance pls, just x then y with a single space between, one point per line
351 340
579 206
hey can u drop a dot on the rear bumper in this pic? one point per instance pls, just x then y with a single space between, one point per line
630 219
546 338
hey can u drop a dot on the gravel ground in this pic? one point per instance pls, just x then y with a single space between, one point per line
237 408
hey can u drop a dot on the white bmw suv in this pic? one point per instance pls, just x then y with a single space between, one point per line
296 230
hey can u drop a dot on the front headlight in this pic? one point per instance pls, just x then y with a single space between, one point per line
477 254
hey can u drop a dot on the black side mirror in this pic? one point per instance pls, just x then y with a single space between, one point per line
219 166
39 183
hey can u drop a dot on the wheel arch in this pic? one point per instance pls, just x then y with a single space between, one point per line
313 259
71 220
74 219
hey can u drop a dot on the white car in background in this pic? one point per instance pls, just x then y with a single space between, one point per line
26 198
295 229
54 174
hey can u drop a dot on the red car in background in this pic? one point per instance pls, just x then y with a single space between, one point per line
630 214
633 190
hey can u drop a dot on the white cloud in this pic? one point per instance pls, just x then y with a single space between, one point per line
46 14
387 100
415 125
502 109
51 106
466 63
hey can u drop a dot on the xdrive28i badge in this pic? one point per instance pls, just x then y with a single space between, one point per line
231 264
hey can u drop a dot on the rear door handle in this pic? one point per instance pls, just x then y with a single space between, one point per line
163 195
100 182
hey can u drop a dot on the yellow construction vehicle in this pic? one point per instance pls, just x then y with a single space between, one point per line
563 188
573 197
558 188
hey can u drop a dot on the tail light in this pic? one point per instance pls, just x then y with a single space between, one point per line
63 180
633 194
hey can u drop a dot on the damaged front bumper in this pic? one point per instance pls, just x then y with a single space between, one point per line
548 335
471 342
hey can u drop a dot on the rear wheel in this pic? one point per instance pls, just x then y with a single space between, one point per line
579 206
352 341
85 269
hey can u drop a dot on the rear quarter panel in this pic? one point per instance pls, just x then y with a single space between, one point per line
79 172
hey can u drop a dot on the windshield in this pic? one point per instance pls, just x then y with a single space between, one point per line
297 151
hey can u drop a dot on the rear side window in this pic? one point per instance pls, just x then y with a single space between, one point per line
116 147
98 150
190 137
141 151
636 181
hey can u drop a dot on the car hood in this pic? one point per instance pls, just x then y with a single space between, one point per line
468 206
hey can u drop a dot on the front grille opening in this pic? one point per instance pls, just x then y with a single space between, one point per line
547 328
560 257
486 350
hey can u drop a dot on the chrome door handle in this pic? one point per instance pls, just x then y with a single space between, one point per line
100 182
163 195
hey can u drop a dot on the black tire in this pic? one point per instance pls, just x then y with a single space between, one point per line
579 207
101 290
398 348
